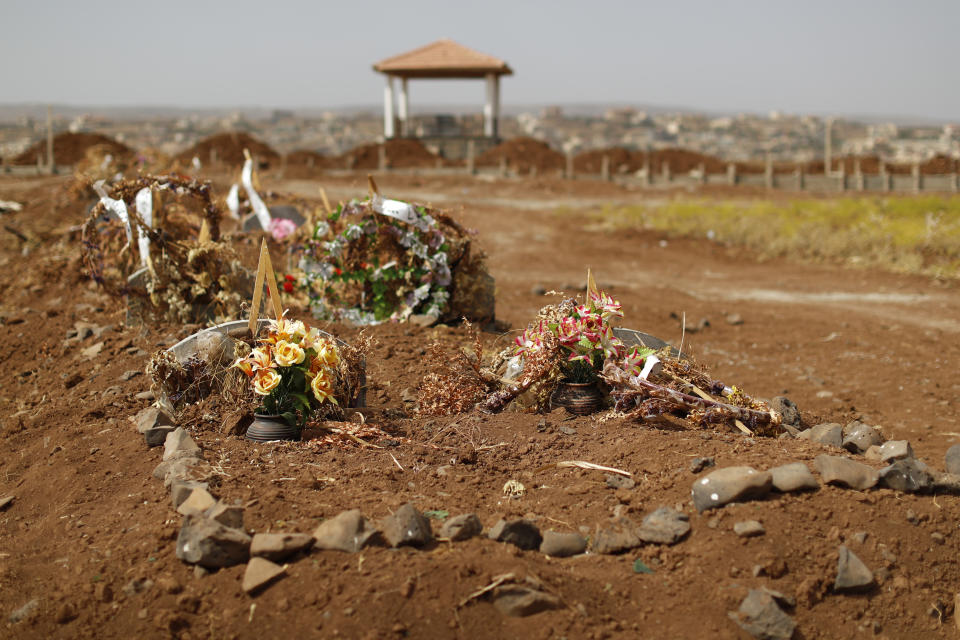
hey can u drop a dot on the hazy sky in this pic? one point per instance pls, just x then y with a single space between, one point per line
829 56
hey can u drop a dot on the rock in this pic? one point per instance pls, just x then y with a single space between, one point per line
422 319
154 424
462 527
699 464
616 481
103 592
210 544
793 477
5 502
130 374
521 533
894 450
279 546
25 611
136 586
788 410
852 574
229 515
858 437
92 351
180 490
845 472
66 613
829 433
179 444
568 431
952 462
562 545
146 395
947 483
520 600
197 502
168 584
183 469
620 535
260 573
749 528
156 436
407 527
761 617
348 531
664 526
733 319
538 290
731 484
909 475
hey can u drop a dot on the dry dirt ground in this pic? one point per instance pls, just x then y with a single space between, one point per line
88 523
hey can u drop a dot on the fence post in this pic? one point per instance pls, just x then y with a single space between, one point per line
382 157
666 171
917 179
857 174
768 172
842 176
569 172
52 165
471 157
605 168
884 177
800 179
731 174
703 173
646 168
954 182
283 165
503 166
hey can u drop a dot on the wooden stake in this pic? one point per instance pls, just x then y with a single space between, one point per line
264 272
204 232
326 203
591 284
373 186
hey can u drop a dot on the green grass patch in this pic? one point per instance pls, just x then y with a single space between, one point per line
918 235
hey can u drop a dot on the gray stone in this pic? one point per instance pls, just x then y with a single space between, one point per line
348 531
616 481
829 433
699 464
210 544
845 472
259 573
179 444
25 611
462 527
946 483
895 450
620 535
157 436
407 527
229 515
197 502
664 526
761 617
731 484
793 477
520 600
788 410
852 574
183 469
909 475
748 528
562 545
151 418
521 533
279 546
858 437
180 490
952 461
145 395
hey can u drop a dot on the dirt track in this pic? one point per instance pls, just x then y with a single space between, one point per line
844 344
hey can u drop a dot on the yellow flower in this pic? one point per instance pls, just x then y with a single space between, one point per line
260 359
327 353
322 388
297 329
244 365
310 339
265 381
288 353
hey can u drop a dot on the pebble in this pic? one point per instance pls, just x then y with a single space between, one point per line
145 395
25 611
66 613
348 531
858 437
519 600
895 450
407 527
568 431
730 484
620 535
761 617
952 460
130 375
462 527
92 351
788 410
852 574
210 544
137 585
664 526
179 444
562 545
938 537
260 572
197 502
699 464
616 481
908 475
538 290
279 546
749 528
521 533
845 472
180 490
733 319
795 476
829 433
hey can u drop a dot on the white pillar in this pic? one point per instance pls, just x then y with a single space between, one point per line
388 108
404 108
496 105
488 114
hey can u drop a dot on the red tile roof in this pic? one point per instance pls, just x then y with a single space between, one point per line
443 59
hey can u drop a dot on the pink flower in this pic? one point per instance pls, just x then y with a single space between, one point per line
280 228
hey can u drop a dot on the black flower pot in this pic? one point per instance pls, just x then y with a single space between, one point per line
266 428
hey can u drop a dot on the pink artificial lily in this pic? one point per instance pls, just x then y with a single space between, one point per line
606 305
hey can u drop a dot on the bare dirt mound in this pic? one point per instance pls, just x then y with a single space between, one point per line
310 159
70 148
229 149
621 160
401 153
522 154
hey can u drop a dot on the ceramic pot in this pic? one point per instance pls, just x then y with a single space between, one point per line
265 428
580 398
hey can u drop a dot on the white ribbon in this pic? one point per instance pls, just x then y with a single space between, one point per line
402 211
233 201
118 207
651 365
144 202
259 208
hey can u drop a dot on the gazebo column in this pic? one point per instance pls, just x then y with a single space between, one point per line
491 108
388 131
404 108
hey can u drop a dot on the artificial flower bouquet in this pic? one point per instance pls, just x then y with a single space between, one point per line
294 371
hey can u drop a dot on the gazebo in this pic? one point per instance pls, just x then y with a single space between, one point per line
443 59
